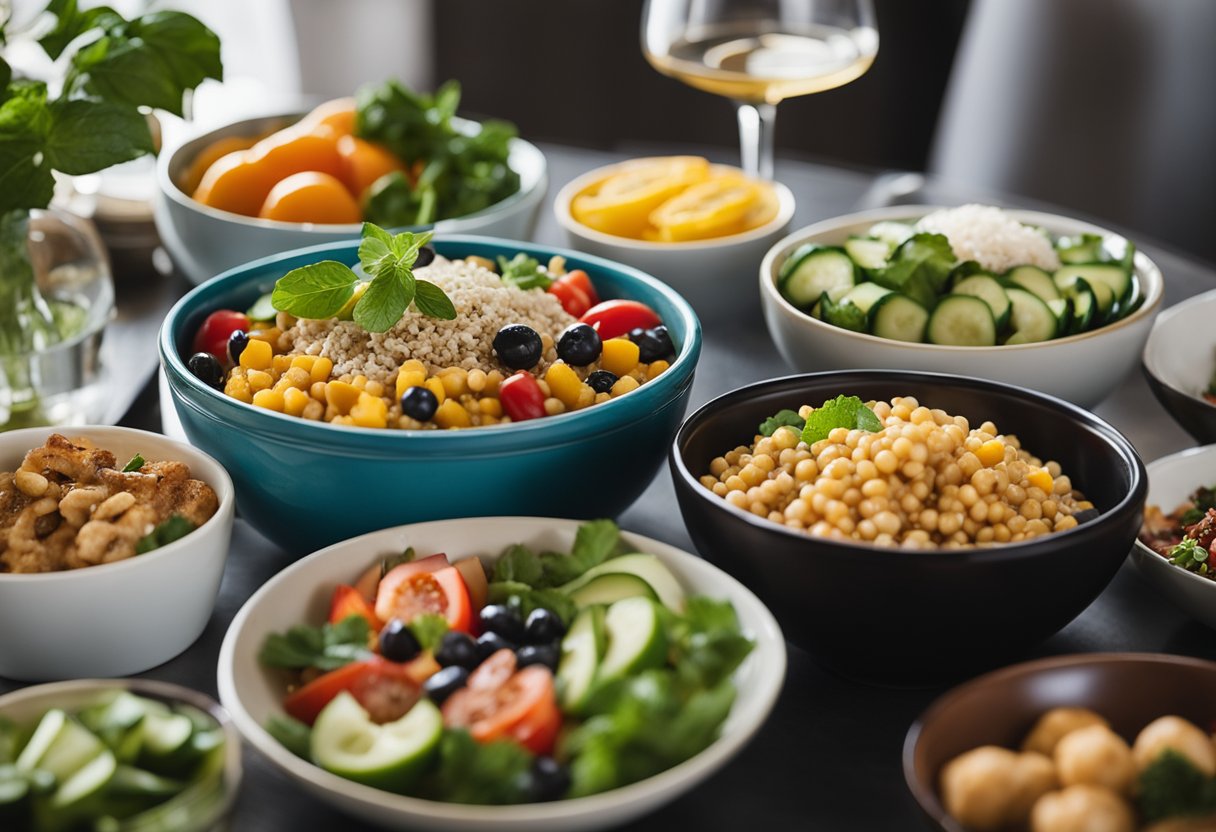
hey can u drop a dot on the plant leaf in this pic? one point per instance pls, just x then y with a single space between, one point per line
315 291
433 301
88 135
384 302
25 174
841 412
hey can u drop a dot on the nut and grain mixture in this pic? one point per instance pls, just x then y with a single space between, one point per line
926 480
70 506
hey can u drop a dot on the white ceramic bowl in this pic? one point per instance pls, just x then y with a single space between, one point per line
27 705
713 275
204 241
1083 369
1171 480
301 594
1179 361
116 618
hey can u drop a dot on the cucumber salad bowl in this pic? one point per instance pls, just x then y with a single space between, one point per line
1031 299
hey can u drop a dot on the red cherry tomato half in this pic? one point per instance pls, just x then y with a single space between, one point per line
579 278
521 397
614 318
413 589
348 601
575 292
386 690
212 336
499 703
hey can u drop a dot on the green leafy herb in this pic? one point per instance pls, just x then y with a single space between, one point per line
471 772
461 172
595 542
1190 555
428 628
1191 516
519 564
841 412
524 599
174 528
1204 498
1171 786
920 268
524 272
294 735
327 647
707 643
321 290
134 464
781 419
262 309
845 314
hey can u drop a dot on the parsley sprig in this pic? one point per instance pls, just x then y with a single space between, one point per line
321 290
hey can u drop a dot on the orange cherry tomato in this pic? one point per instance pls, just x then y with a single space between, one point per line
211 154
233 183
386 690
310 196
337 116
413 589
347 602
364 162
499 703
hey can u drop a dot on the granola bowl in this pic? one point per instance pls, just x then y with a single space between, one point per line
112 618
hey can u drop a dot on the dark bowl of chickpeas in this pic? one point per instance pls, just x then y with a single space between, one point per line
1102 742
973 521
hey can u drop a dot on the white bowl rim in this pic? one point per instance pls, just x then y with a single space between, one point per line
1148 272
561 211
1147 554
223 488
681 776
1162 326
168 187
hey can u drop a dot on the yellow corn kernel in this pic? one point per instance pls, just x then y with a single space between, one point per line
259 380
490 407
656 369
1041 479
451 414
413 365
317 390
455 381
564 383
269 399
314 410
359 381
257 355
991 452
408 378
342 420
624 384
304 362
586 397
342 396
238 388
280 363
295 400
436 386
619 357
369 412
321 368
268 335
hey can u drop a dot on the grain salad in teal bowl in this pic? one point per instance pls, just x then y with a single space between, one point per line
357 385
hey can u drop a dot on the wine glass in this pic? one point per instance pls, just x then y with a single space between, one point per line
758 53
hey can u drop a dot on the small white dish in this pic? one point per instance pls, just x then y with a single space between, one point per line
301 592
1180 361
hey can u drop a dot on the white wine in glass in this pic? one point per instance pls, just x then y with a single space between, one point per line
758 53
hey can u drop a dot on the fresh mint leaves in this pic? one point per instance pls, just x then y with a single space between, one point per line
321 290
326 648
841 412
781 419
919 268
524 272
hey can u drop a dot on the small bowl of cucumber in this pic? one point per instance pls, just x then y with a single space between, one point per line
1027 298
122 755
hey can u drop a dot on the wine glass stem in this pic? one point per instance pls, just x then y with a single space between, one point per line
756 123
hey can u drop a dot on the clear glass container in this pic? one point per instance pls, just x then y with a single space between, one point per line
50 339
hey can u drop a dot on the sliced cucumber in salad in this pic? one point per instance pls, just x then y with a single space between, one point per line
962 320
899 318
346 742
813 270
582 652
1031 319
986 288
869 252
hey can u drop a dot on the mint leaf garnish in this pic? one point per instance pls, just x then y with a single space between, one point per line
841 412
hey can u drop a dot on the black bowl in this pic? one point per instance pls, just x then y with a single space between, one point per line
917 617
1177 363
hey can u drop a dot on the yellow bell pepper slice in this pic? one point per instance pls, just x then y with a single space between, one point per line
711 209
621 204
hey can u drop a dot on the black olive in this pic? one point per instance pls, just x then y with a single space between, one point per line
443 684
579 345
518 346
207 369
636 333
426 256
237 341
550 780
490 643
542 654
601 381
419 403
398 643
543 626
457 650
1085 515
495 618
653 344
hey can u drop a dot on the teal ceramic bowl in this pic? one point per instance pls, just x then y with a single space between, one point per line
308 484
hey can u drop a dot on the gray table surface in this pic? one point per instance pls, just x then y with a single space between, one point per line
829 756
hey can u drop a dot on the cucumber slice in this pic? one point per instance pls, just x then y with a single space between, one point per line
1087 248
892 233
647 567
1114 277
89 781
810 273
166 735
868 252
391 756
606 589
963 320
1034 280
136 782
986 288
1030 318
898 317
582 650
636 640
59 745
844 315
865 295
1061 308
1083 307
